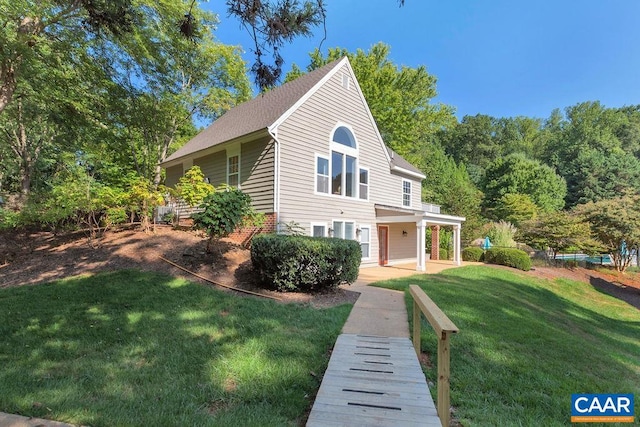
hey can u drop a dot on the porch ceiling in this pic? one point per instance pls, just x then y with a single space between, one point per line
394 214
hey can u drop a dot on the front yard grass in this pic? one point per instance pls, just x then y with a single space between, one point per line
132 348
525 344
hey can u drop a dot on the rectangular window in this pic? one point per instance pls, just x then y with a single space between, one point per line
365 241
344 230
351 176
233 170
318 230
406 193
322 175
336 172
364 184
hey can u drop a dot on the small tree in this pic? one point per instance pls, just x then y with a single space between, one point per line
557 231
615 223
223 212
192 188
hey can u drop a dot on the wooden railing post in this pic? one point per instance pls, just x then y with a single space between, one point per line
443 328
416 327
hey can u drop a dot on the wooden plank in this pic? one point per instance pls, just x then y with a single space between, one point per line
386 389
355 412
436 317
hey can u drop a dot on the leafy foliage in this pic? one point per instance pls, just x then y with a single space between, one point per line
192 188
508 256
472 253
270 25
222 212
515 174
615 223
557 231
302 263
515 208
502 234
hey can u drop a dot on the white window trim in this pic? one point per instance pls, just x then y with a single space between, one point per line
367 226
318 224
410 193
368 183
343 221
315 175
231 152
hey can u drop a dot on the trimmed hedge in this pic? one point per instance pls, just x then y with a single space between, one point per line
508 256
472 253
302 263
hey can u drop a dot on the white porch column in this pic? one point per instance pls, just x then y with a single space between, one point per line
421 248
457 253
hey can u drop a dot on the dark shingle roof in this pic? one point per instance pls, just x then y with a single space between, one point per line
257 114
398 161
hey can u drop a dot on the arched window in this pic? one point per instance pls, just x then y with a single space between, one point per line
343 136
340 173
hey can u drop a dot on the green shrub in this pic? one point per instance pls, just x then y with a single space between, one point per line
472 253
9 219
302 263
510 257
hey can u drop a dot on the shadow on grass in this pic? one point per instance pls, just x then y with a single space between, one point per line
133 348
526 345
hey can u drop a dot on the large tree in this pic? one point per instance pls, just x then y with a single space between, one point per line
516 174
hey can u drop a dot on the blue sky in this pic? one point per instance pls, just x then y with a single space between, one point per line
495 57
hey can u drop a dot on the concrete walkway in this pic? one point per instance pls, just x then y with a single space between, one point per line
381 311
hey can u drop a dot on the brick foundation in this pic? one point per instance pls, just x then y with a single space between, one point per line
243 236
435 242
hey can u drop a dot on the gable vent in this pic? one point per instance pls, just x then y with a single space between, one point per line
345 81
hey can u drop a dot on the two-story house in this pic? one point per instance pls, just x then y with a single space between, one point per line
309 152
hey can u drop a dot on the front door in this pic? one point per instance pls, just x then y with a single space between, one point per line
383 244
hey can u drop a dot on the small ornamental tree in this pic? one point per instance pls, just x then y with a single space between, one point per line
222 212
557 231
192 188
614 222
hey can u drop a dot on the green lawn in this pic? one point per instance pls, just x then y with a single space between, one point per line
525 345
133 348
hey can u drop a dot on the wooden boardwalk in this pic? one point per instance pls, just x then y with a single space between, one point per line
373 381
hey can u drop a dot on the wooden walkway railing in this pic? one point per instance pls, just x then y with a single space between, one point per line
443 328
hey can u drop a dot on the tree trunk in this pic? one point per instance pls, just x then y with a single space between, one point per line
8 84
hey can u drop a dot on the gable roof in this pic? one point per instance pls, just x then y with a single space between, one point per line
256 114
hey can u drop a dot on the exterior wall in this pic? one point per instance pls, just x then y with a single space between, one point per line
214 167
257 172
402 247
307 133
173 175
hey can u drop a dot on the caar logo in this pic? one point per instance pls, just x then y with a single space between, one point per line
602 408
